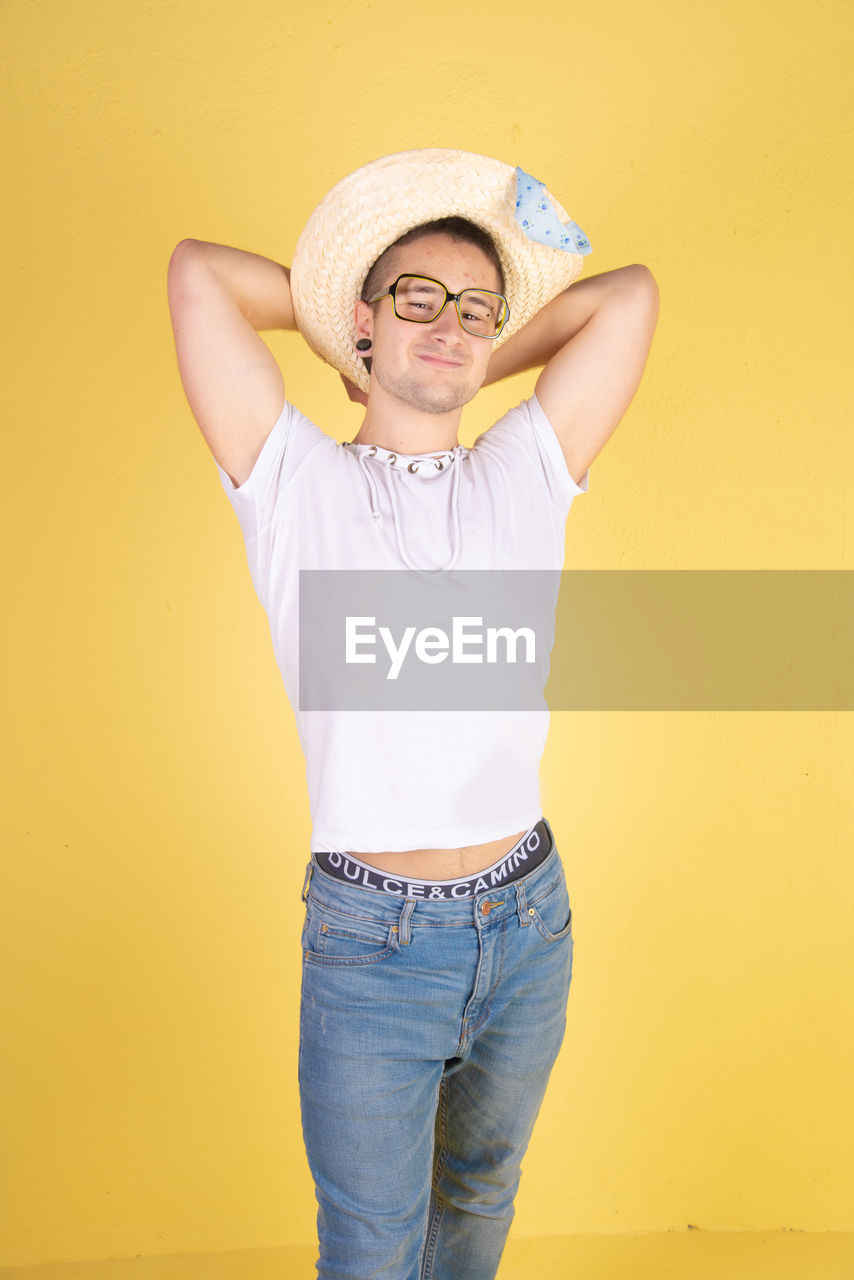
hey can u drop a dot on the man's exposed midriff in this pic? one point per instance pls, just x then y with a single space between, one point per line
441 864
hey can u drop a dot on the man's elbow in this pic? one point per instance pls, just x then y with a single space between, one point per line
642 291
185 248
185 254
644 282
186 272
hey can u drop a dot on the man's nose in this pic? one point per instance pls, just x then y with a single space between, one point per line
448 323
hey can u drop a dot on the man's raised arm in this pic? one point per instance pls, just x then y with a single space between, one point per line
219 298
593 340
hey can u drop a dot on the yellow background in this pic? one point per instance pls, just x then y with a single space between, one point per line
156 821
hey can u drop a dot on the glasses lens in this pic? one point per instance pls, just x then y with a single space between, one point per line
482 312
418 299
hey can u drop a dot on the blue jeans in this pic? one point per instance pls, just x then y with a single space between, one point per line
428 1031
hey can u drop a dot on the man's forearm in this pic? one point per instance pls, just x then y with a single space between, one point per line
562 318
259 286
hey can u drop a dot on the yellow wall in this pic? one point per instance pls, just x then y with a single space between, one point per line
156 823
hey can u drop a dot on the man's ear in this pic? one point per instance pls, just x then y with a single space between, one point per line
364 316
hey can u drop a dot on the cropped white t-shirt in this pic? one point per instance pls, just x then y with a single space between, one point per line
380 780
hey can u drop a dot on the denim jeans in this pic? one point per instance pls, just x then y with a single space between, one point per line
428 1031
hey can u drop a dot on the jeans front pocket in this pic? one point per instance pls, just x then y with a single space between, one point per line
552 914
333 936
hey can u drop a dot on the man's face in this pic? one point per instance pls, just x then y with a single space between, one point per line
435 367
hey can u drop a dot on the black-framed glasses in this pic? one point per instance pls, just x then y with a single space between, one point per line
420 300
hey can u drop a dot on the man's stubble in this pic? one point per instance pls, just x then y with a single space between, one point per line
435 397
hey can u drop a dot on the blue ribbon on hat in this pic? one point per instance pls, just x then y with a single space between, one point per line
538 218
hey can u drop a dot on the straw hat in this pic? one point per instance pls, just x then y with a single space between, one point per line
540 247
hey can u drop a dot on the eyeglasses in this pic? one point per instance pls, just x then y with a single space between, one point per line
420 300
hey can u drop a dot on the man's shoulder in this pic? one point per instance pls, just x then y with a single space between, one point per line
288 444
513 423
525 438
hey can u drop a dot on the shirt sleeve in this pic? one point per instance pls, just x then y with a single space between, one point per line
526 431
551 454
285 450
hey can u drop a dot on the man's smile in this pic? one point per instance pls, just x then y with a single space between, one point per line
440 361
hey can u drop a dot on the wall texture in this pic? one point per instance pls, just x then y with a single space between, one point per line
156 821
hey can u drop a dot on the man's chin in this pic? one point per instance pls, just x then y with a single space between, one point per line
432 397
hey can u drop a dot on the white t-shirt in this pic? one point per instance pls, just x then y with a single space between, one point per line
381 780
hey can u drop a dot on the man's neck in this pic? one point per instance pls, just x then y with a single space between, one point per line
393 425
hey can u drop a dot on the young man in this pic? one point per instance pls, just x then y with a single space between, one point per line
437 945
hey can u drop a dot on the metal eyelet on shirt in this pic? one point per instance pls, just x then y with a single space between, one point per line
372 450
413 467
392 458
440 466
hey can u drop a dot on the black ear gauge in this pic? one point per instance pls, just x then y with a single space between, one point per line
364 344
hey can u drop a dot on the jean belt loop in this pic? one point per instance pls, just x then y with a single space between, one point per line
522 902
307 881
404 934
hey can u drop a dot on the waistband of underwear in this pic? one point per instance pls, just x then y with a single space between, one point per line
525 856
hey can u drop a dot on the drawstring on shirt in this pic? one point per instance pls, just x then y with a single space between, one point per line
457 454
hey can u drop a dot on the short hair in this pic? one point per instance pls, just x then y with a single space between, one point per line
456 228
